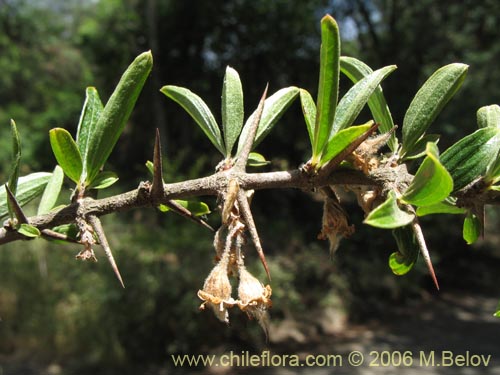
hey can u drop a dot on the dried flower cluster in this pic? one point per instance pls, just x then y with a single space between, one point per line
253 296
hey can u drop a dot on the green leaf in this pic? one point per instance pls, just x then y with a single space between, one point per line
429 102
309 111
488 116
447 206
232 108
469 158
89 117
199 111
420 146
356 70
29 230
472 228
103 180
70 230
16 159
66 153
51 192
28 187
432 182
341 140
274 107
328 87
388 215
402 261
115 114
196 208
257 160
353 102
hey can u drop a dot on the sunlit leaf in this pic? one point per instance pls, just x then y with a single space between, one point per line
328 87
432 182
199 111
469 157
115 114
429 102
51 191
29 230
388 215
274 107
28 187
341 140
356 70
471 228
353 102
89 117
196 208
103 180
66 153
309 111
420 146
257 160
488 116
232 108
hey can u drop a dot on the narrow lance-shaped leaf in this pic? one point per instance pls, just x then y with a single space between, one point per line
356 70
29 230
328 87
28 187
274 107
420 146
66 153
199 111
309 111
341 140
116 113
51 192
429 102
432 182
89 117
232 108
388 215
104 180
16 159
353 102
469 158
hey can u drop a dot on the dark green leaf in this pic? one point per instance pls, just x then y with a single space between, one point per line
199 111
341 140
419 148
115 114
89 117
429 102
328 87
104 180
388 215
356 70
309 111
69 230
432 182
232 108
51 192
472 228
66 153
274 107
402 261
353 102
196 208
29 230
28 187
469 158
447 206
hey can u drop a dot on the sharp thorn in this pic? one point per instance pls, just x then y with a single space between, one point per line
157 190
178 209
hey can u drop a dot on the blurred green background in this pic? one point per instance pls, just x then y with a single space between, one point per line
56 310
